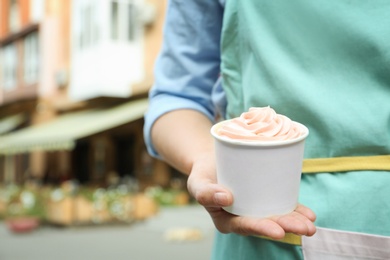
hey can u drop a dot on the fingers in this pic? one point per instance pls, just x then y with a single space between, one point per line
310 218
229 223
299 222
296 223
274 227
306 212
257 227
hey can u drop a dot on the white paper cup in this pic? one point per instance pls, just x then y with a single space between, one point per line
263 176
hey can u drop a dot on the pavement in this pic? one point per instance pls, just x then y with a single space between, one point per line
184 232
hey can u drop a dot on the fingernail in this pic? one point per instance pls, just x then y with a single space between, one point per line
220 198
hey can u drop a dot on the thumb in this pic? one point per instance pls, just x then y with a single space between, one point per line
212 195
223 199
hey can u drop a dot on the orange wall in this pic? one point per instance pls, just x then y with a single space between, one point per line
4 18
153 35
153 40
24 17
24 6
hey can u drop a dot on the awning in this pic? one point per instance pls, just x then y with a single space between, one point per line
62 132
11 122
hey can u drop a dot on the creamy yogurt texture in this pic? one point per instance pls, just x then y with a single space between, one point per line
260 124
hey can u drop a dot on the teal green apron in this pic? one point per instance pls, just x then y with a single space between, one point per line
325 64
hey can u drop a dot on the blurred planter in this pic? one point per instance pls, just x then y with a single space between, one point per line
181 198
60 212
22 224
83 210
23 207
144 207
3 208
168 197
70 205
3 201
122 208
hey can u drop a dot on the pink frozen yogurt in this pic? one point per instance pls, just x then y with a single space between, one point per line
253 152
261 124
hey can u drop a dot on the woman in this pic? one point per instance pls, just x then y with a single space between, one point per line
325 64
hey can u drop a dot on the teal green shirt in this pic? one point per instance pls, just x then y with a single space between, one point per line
325 64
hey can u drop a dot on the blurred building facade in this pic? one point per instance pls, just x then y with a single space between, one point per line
74 77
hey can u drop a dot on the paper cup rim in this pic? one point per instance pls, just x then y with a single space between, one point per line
257 143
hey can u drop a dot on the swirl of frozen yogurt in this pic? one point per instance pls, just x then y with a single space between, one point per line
260 124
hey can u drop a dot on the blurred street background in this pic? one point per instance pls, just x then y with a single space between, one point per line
184 232
76 180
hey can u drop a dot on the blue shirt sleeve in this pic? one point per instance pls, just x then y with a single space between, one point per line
188 66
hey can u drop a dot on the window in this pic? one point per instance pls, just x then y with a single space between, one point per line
123 20
37 9
31 58
14 15
88 33
114 20
132 15
9 57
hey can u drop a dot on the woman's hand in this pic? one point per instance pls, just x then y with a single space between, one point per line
183 139
203 187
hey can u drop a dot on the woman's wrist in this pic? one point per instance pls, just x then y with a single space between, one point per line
181 137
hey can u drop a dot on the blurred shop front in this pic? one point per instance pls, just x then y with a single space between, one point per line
95 146
88 166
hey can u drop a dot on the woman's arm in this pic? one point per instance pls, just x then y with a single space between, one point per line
177 124
189 63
